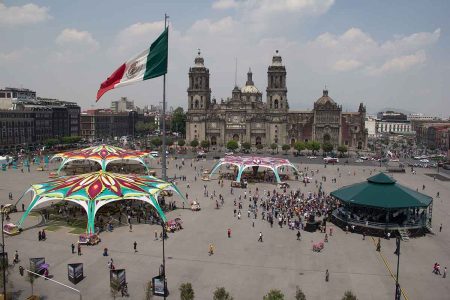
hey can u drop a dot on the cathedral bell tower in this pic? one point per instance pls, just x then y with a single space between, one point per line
276 85
199 92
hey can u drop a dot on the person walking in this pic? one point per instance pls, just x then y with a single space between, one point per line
44 236
229 232
440 228
131 228
327 276
40 235
445 273
73 248
79 249
211 249
299 235
260 239
156 235
135 247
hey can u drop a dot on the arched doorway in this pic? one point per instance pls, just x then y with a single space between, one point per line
258 140
292 142
213 141
276 104
236 137
359 145
326 138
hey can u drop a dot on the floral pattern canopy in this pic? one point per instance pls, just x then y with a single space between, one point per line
102 154
244 162
93 190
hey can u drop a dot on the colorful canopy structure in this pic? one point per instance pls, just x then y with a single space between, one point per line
381 191
244 162
93 190
102 154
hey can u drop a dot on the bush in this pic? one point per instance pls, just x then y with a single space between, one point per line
349 296
194 144
259 146
205 144
286 147
181 143
274 295
156 142
221 294
186 291
327 147
273 146
246 146
299 295
232 145
299 146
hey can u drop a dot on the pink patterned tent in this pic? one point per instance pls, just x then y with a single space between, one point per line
244 162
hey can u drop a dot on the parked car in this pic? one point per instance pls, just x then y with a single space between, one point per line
154 153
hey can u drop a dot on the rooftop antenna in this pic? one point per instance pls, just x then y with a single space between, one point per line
235 72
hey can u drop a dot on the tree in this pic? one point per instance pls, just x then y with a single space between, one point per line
232 145
194 143
299 146
259 146
70 139
349 296
273 146
51 142
313 146
299 295
181 143
178 122
274 295
156 141
169 141
221 294
342 149
327 147
205 144
246 146
286 148
186 291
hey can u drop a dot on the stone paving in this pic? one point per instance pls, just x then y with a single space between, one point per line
246 268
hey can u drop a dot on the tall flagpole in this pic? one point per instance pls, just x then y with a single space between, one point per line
163 161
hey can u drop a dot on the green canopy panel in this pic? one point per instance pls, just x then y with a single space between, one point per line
381 191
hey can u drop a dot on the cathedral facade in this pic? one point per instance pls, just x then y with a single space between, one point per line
245 117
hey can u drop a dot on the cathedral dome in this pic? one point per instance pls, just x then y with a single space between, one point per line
249 87
325 99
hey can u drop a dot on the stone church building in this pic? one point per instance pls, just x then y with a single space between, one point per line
245 117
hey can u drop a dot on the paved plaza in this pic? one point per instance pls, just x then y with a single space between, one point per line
246 268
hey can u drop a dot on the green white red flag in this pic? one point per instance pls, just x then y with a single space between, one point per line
150 63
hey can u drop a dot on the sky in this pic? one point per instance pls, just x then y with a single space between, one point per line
383 53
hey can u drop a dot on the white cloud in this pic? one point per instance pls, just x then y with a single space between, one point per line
136 36
70 37
22 15
399 64
225 4
12 56
222 26
355 49
346 65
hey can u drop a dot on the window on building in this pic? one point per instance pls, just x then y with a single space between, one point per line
346 143
276 104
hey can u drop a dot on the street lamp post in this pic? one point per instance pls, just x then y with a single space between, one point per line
4 264
397 285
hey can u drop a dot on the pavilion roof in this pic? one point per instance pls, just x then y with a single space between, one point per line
381 191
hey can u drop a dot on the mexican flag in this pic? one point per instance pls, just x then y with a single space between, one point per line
150 63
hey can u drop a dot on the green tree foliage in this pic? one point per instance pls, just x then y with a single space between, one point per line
194 144
181 143
70 139
259 146
273 146
186 291
286 147
144 128
156 141
51 142
205 144
299 146
221 294
274 295
349 296
178 122
313 146
232 145
246 146
327 147
299 295
169 141
342 149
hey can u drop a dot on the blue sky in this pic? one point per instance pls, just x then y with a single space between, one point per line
382 53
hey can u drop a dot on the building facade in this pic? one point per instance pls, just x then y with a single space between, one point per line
104 123
122 105
245 117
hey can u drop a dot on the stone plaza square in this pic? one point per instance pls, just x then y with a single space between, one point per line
246 268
